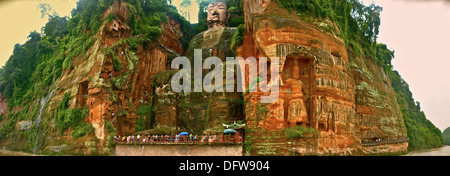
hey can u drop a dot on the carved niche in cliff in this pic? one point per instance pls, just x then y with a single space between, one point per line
83 91
298 88
297 75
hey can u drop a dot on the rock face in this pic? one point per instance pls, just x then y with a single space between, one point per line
199 112
346 99
113 95
3 105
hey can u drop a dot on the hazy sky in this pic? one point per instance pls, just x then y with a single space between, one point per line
418 31
193 10
19 17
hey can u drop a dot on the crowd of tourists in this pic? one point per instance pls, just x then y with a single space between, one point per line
149 139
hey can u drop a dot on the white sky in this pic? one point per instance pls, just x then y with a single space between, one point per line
418 31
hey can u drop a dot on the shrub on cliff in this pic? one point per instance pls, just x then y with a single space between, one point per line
66 118
298 132
152 32
120 81
82 130
111 129
117 64
145 119
238 37
140 124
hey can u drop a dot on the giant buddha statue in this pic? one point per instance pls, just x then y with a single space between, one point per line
209 111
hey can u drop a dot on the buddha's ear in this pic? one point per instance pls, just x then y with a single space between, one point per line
227 22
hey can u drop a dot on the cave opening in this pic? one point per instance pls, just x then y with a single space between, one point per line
83 92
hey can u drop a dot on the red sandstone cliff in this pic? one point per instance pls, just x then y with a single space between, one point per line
344 98
3 105
114 95
343 103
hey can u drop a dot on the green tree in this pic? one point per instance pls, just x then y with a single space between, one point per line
186 5
56 28
421 132
47 10
372 16
384 55
446 136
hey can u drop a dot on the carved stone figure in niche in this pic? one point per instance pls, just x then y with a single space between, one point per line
326 120
297 112
294 82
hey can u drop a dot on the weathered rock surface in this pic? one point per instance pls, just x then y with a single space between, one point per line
114 95
346 99
3 105
199 112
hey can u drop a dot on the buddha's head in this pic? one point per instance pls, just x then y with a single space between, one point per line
217 14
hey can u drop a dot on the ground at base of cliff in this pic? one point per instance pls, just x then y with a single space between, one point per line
14 153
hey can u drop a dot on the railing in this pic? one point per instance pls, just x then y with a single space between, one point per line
384 141
178 140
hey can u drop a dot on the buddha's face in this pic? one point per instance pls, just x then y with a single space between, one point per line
217 15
